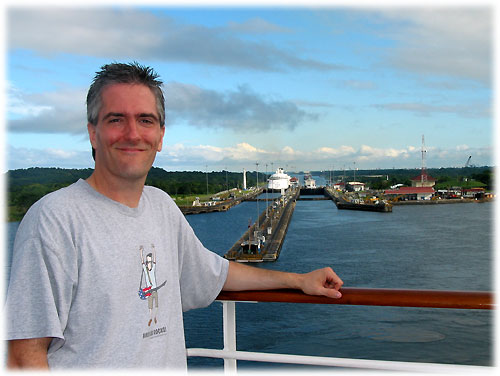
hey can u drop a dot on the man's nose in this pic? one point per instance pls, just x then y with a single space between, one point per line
132 131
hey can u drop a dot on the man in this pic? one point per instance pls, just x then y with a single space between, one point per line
72 300
150 292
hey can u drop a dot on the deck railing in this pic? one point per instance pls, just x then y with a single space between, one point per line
350 296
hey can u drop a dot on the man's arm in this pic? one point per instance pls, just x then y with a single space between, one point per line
318 282
28 353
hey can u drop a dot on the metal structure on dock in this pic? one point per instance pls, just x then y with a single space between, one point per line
263 240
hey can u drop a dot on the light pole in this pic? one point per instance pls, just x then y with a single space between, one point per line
227 185
257 178
267 188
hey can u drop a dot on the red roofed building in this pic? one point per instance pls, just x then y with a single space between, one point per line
423 180
340 186
411 193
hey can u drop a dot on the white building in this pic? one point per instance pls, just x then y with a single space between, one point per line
356 186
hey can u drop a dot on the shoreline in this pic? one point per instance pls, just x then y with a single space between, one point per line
442 201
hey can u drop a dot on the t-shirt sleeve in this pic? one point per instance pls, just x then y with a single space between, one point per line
202 272
39 293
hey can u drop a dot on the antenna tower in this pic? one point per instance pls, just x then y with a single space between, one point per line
423 175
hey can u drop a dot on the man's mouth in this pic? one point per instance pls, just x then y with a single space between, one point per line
131 149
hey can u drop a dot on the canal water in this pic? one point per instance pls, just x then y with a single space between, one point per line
444 247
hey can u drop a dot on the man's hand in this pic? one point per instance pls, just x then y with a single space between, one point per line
321 282
318 282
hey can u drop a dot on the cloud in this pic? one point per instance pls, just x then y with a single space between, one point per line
328 152
244 155
120 33
20 106
368 153
180 157
303 103
18 158
447 41
60 111
240 110
359 84
423 109
199 157
257 25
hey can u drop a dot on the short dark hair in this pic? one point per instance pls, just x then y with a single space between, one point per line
121 73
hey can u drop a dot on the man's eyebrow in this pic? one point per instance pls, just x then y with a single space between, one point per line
119 114
113 114
151 115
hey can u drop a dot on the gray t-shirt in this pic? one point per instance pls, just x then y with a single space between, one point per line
76 272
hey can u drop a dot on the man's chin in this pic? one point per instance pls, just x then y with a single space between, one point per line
134 173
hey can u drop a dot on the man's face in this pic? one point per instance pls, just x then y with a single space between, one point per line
128 133
149 262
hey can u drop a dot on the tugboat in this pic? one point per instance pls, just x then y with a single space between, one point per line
251 249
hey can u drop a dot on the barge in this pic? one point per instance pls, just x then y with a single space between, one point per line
344 203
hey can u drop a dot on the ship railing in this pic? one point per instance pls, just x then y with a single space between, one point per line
350 296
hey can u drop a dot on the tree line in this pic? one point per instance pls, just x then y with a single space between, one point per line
26 186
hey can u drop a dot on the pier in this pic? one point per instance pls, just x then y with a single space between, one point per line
220 206
263 240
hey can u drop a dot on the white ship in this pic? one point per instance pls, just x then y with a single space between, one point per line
278 180
310 183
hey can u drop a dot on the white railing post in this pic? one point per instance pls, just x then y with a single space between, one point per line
229 319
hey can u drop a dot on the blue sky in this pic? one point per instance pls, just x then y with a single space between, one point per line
304 88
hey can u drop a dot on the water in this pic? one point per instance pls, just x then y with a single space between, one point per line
444 247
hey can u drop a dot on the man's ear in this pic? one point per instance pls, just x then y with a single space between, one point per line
160 145
91 129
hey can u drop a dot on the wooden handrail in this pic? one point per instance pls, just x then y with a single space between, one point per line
373 297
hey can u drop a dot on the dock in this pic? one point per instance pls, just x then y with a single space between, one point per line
264 239
220 206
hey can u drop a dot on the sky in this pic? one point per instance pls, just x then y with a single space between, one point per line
329 86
